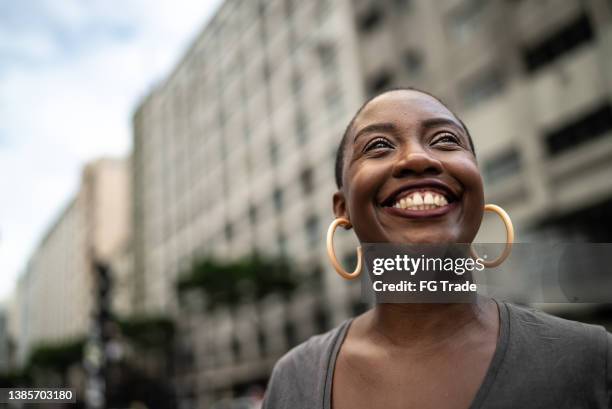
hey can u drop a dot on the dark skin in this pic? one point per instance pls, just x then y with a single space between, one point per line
412 355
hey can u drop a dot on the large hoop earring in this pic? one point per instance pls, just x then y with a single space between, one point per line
509 237
341 221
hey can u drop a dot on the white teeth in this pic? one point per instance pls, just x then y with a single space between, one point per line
421 201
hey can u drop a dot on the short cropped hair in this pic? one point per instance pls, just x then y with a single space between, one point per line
339 165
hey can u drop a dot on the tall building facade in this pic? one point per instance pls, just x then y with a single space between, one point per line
234 151
532 81
53 301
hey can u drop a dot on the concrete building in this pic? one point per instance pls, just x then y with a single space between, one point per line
54 297
234 151
531 79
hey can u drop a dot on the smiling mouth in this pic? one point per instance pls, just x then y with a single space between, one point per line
422 201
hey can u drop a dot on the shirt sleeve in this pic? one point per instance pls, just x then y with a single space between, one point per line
279 390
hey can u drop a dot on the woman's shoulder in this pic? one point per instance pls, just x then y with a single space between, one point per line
581 345
299 376
538 323
313 353
570 359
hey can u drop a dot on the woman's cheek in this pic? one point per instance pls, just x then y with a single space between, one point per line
469 176
363 191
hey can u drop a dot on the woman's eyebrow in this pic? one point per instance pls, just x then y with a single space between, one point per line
435 122
379 127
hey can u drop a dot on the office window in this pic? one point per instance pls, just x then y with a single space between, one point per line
312 230
564 40
482 87
229 231
370 19
503 165
246 132
296 83
464 19
248 161
293 40
379 82
290 333
225 181
413 61
333 101
277 197
262 5
236 350
281 240
252 214
273 147
322 10
327 59
591 126
290 7
266 71
402 5
301 127
221 117
263 34
261 340
307 181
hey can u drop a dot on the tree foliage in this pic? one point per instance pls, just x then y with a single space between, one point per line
56 356
229 283
153 332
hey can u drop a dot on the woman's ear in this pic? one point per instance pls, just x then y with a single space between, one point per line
339 204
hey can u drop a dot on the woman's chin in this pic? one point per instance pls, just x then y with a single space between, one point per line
425 237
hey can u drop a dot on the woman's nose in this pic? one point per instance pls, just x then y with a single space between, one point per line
416 162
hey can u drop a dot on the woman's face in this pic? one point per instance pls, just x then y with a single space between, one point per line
409 174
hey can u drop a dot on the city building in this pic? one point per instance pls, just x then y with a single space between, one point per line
53 300
234 151
531 79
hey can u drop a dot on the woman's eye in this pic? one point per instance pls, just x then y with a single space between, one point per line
378 144
445 138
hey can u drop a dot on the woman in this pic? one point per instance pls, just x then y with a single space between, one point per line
470 355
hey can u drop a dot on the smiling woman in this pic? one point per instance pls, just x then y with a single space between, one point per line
406 173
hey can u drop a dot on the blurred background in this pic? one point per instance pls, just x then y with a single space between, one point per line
168 181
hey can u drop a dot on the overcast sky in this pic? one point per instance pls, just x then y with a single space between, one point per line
71 73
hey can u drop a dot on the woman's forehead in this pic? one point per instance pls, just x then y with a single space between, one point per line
404 106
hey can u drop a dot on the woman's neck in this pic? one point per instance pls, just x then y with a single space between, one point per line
428 324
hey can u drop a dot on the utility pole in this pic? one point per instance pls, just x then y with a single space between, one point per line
95 356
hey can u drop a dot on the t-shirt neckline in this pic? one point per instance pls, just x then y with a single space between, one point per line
485 387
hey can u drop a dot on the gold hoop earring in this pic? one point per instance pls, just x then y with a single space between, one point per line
509 236
341 221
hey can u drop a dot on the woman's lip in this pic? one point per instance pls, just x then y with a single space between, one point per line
432 184
420 214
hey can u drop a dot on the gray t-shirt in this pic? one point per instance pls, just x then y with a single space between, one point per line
540 361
